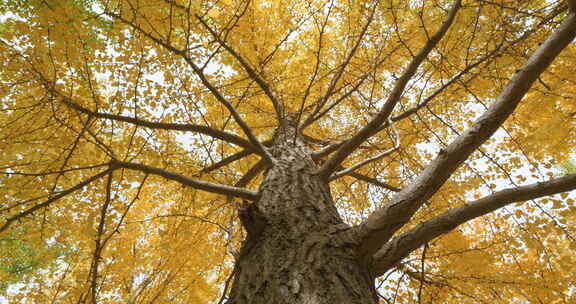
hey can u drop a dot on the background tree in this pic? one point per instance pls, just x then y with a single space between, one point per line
301 151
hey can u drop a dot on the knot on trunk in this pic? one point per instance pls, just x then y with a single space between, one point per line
252 219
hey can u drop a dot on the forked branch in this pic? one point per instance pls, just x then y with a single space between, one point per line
383 223
373 126
371 159
251 71
334 81
205 81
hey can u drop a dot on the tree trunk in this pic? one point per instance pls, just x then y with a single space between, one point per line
297 249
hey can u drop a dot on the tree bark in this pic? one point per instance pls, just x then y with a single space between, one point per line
297 249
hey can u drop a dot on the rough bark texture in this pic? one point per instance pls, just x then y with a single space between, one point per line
297 250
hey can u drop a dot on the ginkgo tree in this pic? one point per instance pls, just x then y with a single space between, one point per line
298 151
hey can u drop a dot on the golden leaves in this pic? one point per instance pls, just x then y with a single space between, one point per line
163 237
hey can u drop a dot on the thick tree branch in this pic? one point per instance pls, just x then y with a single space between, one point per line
251 174
374 181
381 225
407 113
318 154
371 159
190 182
234 157
400 246
199 72
372 127
261 149
226 161
225 136
317 114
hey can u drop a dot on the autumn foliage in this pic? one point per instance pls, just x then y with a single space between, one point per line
130 128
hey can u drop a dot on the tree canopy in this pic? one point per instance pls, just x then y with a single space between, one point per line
131 132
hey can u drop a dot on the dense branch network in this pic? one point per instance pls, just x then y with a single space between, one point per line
381 225
205 81
371 128
378 242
